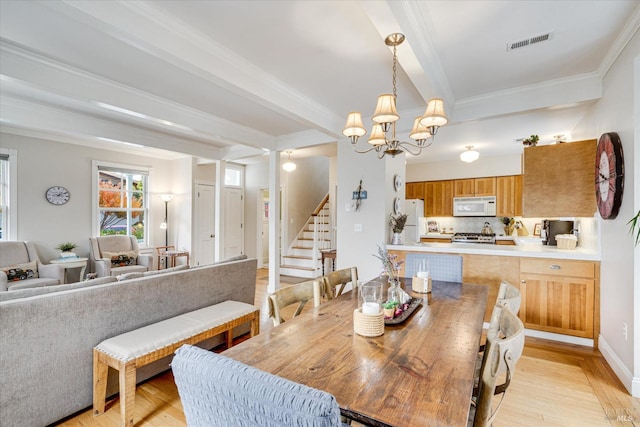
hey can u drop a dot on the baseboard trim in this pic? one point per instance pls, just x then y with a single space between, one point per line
631 383
553 337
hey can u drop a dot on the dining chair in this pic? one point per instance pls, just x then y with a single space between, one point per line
447 268
335 282
505 342
509 296
299 293
219 391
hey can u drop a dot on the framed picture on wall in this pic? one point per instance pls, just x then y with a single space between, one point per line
432 226
536 229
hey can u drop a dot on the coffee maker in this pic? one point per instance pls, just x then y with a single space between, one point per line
551 228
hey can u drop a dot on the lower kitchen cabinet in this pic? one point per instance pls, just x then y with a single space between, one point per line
560 296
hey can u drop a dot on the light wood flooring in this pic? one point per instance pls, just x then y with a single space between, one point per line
555 385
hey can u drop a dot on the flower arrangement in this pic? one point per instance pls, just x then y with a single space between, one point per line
398 222
531 141
390 266
66 246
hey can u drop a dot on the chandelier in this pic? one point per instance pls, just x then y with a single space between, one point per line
385 118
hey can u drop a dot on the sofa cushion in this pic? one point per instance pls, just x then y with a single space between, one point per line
127 276
24 271
29 292
121 259
32 283
168 270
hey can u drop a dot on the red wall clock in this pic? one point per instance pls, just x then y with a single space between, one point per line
609 175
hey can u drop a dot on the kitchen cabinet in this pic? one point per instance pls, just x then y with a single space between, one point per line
509 195
475 187
559 180
560 296
438 198
435 239
414 190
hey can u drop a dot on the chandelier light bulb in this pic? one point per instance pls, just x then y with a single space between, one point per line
289 166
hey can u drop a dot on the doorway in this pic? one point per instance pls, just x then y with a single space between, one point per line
233 222
205 224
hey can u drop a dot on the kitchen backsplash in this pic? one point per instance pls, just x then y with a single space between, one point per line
587 235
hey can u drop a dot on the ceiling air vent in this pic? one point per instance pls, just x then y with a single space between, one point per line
529 41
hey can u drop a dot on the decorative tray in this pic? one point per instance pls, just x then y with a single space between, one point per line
413 304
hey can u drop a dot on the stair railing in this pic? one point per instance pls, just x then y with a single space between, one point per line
321 230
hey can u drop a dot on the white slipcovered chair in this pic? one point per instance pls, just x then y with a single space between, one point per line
115 255
20 268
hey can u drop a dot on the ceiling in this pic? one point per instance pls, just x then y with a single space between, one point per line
234 79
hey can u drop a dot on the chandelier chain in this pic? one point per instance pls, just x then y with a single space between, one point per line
395 66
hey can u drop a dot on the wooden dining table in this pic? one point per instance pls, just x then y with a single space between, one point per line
418 373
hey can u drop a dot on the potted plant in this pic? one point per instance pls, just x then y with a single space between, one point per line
397 224
635 227
66 249
532 141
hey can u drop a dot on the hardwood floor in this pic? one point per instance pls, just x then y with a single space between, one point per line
555 385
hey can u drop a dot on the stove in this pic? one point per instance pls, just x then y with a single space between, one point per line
473 238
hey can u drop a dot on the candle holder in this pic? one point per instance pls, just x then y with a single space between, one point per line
368 318
421 281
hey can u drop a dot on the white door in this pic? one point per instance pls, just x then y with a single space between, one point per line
264 225
233 222
205 223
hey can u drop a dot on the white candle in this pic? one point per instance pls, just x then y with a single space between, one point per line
372 308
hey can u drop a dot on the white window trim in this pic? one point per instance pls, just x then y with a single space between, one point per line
239 168
95 164
11 233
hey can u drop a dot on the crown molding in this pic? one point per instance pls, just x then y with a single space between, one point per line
629 30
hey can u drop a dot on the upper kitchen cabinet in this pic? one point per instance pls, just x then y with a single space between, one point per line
559 180
475 187
509 195
414 190
438 198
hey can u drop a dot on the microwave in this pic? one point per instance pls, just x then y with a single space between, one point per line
474 206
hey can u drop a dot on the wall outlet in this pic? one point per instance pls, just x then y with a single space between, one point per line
625 331
357 228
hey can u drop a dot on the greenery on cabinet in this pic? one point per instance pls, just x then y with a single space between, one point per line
531 141
66 246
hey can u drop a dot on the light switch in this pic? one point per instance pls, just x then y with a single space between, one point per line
347 207
357 228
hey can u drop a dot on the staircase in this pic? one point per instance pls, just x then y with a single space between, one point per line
302 258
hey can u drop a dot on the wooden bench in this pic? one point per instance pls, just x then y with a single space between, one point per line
131 350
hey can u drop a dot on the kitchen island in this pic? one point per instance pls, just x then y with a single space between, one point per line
560 288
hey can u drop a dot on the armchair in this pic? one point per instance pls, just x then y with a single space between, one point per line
20 268
114 255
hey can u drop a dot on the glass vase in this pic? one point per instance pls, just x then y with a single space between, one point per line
393 293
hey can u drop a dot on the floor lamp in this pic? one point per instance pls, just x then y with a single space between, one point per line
166 198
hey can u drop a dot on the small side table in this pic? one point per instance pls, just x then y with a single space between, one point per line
170 255
80 263
331 254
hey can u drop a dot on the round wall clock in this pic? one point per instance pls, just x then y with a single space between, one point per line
57 195
609 175
397 206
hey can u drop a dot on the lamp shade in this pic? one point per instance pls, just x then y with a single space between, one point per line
354 126
434 114
419 132
377 135
166 197
386 109
469 155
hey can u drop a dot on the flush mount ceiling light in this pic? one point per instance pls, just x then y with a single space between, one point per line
385 118
470 155
289 166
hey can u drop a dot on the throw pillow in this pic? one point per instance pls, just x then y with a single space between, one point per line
121 259
24 271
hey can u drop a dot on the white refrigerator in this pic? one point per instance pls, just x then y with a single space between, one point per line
414 208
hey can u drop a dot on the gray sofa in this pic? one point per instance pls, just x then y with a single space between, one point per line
46 340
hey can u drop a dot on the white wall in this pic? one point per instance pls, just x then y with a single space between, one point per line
614 113
43 163
457 169
357 248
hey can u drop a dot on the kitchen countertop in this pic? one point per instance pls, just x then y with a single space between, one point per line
523 248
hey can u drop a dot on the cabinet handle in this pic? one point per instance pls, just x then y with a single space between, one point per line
524 282
555 267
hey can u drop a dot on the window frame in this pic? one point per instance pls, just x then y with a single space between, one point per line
9 204
235 167
97 166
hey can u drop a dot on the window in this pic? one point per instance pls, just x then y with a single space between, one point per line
233 176
121 200
8 194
